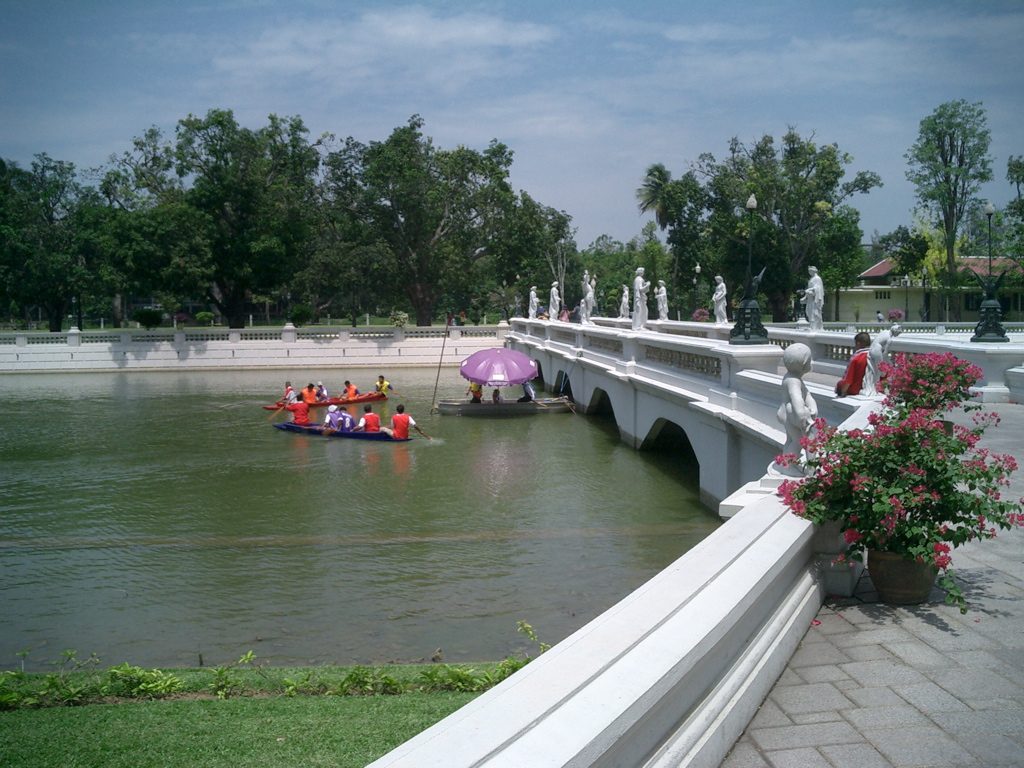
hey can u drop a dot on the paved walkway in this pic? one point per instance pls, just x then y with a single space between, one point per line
876 685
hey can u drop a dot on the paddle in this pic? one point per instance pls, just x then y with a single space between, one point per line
277 411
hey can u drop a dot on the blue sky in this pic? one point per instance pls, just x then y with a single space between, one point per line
586 94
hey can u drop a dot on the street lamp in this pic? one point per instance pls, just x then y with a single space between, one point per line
748 328
696 276
906 298
990 314
927 298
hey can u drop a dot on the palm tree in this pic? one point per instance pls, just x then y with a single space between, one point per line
653 194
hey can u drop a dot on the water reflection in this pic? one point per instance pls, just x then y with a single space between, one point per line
166 518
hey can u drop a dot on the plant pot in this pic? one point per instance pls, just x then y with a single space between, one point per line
899 580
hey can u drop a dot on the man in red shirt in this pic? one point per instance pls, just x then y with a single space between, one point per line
300 413
400 424
370 421
851 383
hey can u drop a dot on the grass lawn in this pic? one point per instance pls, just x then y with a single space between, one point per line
337 731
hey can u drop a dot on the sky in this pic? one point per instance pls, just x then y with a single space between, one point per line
587 95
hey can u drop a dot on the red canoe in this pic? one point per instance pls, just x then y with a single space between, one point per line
368 397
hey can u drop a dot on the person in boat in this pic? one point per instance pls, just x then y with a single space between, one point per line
338 420
400 424
351 390
309 394
289 395
370 421
383 386
300 412
496 397
321 393
475 392
528 393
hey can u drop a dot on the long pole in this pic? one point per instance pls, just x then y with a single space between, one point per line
440 360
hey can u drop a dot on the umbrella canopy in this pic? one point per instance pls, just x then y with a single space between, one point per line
498 367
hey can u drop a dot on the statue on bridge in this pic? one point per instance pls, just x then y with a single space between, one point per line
661 294
718 301
588 303
624 304
534 302
814 299
798 411
554 303
640 289
878 353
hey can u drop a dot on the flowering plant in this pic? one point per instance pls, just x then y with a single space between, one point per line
701 315
895 315
934 382
908 485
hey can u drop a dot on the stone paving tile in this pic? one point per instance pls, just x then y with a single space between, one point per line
996 722
817 717
797 758
855 756
885 717
795 736
744 755
801 699
769 715
882 673
817 654
918 655
975 684
875 696
928 697
867 653
825 674
986 704
873 637
918 746
993 749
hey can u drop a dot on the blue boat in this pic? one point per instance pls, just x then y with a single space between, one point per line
380 437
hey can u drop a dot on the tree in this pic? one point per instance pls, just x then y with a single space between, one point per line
905 249
800 193
436 210
948 164
52 227
234 222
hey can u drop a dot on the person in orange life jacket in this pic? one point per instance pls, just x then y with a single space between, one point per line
300 412
321 392
370 421
400 424
309 394
851 383
351 390
338 420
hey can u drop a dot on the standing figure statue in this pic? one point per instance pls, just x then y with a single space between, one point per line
878 353
661 295
534 302
584 306
798 411
554 303
814 299
718 300
590 296
640 289
624 304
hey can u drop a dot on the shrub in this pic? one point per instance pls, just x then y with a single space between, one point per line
701 315
148 318
204 318
301 315
895 315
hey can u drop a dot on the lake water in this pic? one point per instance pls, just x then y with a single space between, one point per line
154 517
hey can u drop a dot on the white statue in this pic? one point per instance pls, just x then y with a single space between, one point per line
661 294
814 299
878 353
798 410
534 302
590 296
554 303
624 304
640 289
718 300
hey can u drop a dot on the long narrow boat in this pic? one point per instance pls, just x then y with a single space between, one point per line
357 400
380 437
487 408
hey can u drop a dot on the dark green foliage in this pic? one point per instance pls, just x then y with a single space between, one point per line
301 315
148 318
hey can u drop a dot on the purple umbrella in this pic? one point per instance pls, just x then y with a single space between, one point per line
498 367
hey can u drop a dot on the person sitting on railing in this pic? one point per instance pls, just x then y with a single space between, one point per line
852 382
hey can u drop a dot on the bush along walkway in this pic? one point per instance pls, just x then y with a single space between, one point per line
879 685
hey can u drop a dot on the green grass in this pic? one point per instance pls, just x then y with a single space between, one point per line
336 731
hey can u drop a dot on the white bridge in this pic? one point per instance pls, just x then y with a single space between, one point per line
672 674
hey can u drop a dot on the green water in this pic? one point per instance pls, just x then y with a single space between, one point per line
151 517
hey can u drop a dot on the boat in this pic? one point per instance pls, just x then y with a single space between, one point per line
369 397
514 408
312 429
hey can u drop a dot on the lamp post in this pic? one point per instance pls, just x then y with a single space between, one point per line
696 277
990 314
927 297
906 298
748 328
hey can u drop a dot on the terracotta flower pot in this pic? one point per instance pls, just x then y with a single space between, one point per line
899 580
